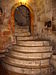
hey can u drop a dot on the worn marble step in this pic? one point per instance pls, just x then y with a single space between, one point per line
30 56
33 43
29 38
21 27
22 34
44 69
25 38
26 63
32 49
21 31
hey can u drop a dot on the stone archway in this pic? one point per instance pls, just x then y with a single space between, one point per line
31 15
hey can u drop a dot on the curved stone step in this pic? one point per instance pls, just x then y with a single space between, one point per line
44 69
21 27
21 30
30 55
26 64
20 51
22 34
25 38
33 43
32 49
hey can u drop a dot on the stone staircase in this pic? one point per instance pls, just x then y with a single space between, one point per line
29 55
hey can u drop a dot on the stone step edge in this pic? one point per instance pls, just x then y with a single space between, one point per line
31 46
23 36
26 66
38 43
29 52
29 36
27 59
22 32
23 71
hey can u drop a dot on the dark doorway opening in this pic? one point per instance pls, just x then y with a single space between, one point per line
22 16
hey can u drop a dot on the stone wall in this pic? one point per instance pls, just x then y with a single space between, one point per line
44 10
40 15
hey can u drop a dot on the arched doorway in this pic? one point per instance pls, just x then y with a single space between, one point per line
31 16
22 17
